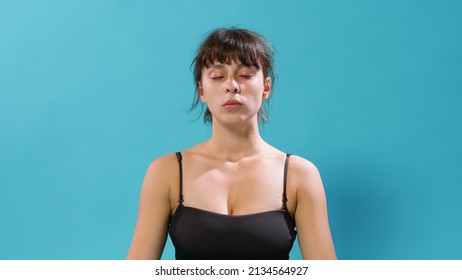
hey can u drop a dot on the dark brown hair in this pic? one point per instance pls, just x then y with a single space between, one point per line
226 45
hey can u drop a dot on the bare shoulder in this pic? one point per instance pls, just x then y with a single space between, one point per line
305 177
161 172
163 164
302 169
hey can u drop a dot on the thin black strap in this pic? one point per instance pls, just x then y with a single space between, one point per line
180 157
284 196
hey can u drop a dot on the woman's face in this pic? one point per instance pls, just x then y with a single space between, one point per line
234 92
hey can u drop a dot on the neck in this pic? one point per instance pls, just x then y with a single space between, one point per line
235 142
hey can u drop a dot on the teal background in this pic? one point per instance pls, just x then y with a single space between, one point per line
92 91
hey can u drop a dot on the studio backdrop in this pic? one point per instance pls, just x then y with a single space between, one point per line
92 91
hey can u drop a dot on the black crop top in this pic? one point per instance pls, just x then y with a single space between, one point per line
204 235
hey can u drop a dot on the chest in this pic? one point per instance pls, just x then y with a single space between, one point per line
234 188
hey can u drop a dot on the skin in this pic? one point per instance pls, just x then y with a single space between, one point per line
235 172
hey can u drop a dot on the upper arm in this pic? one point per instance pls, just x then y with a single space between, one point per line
311 216
153 212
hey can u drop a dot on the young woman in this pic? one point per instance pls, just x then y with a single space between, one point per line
233 196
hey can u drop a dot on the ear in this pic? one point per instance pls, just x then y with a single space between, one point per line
266 88
200 91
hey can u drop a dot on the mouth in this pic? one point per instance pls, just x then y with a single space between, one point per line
232 104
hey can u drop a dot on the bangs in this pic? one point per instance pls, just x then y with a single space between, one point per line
231 51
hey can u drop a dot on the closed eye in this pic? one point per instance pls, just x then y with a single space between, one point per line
245 76
217 78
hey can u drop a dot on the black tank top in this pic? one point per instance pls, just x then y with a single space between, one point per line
203 235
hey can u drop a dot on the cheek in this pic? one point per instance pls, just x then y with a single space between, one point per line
255 101
204 91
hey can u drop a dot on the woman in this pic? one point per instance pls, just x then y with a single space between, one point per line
233 196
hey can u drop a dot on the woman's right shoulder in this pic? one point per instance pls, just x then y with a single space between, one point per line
164 166
163 171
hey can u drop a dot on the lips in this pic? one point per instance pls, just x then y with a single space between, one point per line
232 104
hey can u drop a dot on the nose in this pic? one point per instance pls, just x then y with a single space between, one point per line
232 86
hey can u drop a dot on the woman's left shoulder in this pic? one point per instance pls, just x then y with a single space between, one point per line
304 175
302 167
